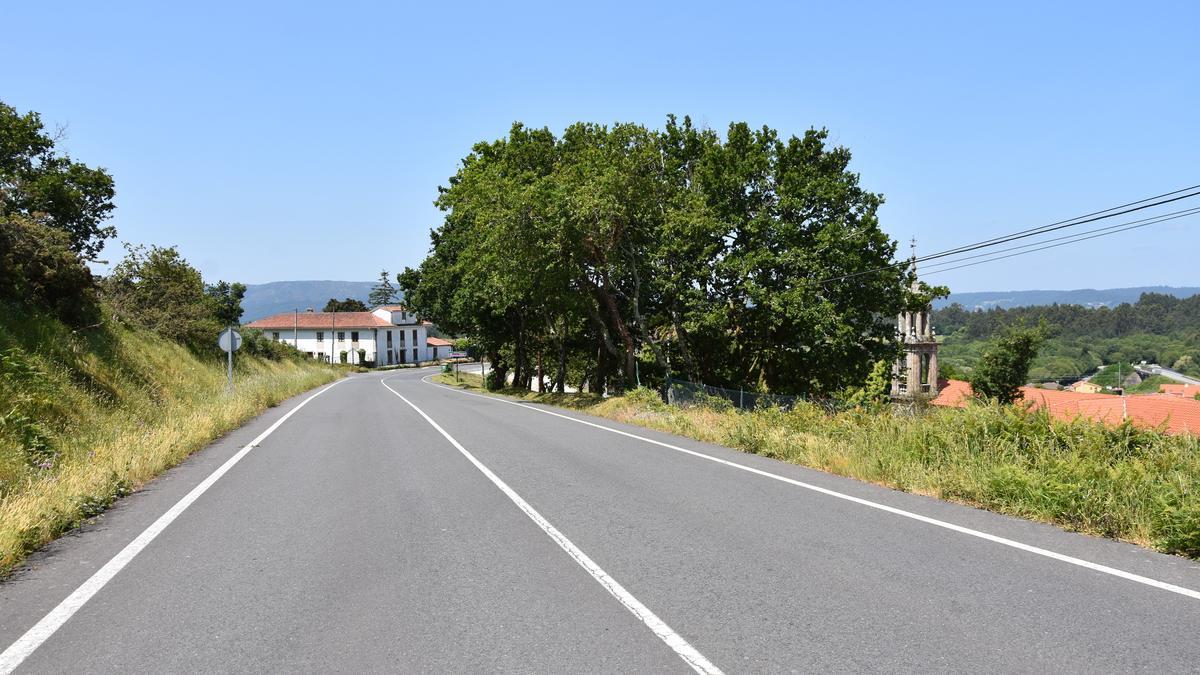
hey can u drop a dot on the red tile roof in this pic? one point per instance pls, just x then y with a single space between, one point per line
1179 389
1175 414
319 320
437 342
393 308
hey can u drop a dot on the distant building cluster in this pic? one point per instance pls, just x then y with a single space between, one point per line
384 336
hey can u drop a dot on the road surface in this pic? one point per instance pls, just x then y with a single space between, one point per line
1154 369
390 524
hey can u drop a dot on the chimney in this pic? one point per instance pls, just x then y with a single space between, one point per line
309 310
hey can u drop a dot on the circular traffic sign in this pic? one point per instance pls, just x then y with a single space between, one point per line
229 337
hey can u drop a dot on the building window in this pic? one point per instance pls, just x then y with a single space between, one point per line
341 336
354 336
275 336
320 336
414 337
389 341
414 354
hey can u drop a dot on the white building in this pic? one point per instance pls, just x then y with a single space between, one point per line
387 335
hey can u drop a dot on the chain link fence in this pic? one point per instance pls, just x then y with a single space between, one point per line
684 393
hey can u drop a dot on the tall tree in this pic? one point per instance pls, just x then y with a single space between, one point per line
384 293
226 299
1005 365
49 188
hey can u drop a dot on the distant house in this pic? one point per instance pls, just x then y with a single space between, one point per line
1087 387
1175 414
387 335
438 348
1188 390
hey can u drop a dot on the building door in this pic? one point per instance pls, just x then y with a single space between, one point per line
415 359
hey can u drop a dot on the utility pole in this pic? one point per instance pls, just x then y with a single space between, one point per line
296 329
333 338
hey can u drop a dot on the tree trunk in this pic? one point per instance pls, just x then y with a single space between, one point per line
560 380
519 366
610 304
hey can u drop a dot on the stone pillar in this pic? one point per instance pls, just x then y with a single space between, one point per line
933 373
914 373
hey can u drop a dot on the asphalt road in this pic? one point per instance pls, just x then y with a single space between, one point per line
357 536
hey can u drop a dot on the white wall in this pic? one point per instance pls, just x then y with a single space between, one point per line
306 341
403 340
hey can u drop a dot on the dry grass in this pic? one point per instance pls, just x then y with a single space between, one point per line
1126 483
87 419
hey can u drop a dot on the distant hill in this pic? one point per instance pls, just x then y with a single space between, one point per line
263 300
1088 297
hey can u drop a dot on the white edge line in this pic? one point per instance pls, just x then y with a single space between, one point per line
676 642
1097 567
42 630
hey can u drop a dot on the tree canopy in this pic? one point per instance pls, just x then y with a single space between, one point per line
622 254
226 300
347 305
1005 365
49 188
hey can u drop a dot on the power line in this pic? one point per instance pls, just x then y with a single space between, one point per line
1080 236
1072 222
1058 225
1042 248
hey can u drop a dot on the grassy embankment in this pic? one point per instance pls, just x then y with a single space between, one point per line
1126 483
88 417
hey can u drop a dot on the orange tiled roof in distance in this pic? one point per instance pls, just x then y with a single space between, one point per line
319 320
1175 414
437 342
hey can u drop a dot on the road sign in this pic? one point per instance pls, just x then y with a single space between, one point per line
226 336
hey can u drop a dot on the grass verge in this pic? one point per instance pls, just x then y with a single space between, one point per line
1126 483
87 418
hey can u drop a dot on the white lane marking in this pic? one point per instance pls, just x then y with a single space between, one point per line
42 630
682 647
1097 567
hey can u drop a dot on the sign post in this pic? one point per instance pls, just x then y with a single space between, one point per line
229 341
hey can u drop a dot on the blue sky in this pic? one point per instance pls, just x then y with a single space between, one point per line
279 141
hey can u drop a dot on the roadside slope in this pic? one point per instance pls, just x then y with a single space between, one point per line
87 416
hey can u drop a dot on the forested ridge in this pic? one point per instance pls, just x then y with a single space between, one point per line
617 255
1158 328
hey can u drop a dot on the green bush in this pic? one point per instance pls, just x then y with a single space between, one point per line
38 270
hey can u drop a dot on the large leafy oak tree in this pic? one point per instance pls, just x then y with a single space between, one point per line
621 254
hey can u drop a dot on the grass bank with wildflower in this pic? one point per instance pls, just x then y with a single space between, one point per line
88 416
1136 485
